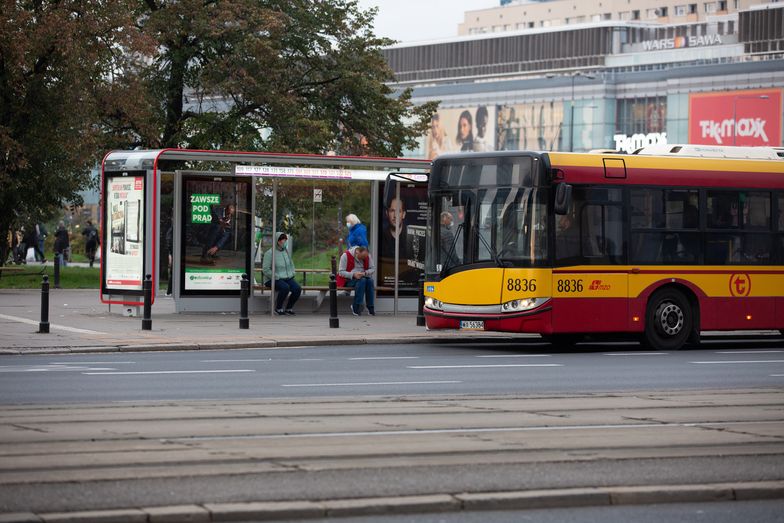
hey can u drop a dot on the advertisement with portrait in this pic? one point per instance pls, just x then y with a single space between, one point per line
404 218
529 127
640 122
216 234
123 231
755 114
461 130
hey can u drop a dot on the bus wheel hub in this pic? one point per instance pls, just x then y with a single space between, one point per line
670 318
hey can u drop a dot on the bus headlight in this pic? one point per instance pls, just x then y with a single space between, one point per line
522 305
434 304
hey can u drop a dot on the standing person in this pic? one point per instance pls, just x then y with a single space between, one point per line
41 233
62 242
90 234
447 239
285 285
356 270
357 232
465 132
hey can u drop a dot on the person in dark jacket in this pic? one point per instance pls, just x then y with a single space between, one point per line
62 242
90 234
357 232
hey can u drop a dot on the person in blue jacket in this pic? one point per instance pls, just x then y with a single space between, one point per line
357 232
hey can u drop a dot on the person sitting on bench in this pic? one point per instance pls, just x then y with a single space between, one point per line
356 270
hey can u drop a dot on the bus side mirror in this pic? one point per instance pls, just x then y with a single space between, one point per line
563 198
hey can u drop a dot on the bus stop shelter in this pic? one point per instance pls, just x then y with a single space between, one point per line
198 215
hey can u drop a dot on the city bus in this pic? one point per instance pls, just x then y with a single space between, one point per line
656 245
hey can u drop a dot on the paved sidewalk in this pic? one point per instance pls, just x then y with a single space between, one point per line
79 322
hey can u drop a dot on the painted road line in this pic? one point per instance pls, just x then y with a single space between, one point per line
91 362
234 361
514 356
51 325
635 354
747 351
736 362
370 383
538 428
777 375
51 368
167 372
308 359
484 366
386 358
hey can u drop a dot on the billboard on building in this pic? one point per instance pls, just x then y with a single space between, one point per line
743 118
216 234
462 129
123 233
529 127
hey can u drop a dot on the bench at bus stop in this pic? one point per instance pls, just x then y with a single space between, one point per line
321 290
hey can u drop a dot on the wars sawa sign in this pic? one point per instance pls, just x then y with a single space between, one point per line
680 42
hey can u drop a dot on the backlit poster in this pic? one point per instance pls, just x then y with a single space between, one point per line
123 241
404 218
529 127
215 234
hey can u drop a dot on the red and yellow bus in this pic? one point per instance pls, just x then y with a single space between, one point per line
661 247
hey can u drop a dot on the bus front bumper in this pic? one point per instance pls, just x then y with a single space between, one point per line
536 321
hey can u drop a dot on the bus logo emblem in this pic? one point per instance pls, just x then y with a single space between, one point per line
597 285
740 285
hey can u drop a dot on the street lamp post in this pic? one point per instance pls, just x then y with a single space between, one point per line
735 111
574 76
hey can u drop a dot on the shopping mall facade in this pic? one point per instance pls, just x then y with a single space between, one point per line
606 85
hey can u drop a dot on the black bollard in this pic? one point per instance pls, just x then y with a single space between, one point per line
57 271
421 306
43 326
334 322
147 318
244 292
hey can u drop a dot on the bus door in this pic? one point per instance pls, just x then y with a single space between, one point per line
589 285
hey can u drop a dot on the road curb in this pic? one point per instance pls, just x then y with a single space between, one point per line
258 344
474 501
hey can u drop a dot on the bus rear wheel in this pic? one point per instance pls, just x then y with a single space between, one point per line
668 321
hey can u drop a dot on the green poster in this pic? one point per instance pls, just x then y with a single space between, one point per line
200 207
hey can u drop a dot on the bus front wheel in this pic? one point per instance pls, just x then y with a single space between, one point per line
668 321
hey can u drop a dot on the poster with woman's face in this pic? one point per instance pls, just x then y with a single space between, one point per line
469 129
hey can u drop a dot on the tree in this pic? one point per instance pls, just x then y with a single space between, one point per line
289 76
61 66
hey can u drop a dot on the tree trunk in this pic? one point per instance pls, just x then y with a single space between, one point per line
174 92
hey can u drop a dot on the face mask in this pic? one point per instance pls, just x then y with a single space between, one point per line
348 225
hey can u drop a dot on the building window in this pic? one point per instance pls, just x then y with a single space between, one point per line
723 5
624 15
692 9
596 18
711 7
636 14
607 16
663 11
651 13
681 10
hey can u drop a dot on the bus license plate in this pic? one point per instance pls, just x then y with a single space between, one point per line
472 325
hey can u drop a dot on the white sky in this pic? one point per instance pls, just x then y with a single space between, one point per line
413 20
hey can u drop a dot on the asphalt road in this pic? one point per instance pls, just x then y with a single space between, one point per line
152 429
492 368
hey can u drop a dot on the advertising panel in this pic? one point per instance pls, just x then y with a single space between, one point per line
463 129
123 242
743 118
216 235
529 127
405 219
640 122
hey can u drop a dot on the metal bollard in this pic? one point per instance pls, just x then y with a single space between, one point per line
43 326
334 322
244 293
421 305
147 318
57 271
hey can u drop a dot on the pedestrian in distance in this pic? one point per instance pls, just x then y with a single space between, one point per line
91 241
41 233
285 285
356 270
62 242
357 232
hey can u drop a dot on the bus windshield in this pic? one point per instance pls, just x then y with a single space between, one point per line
477 222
